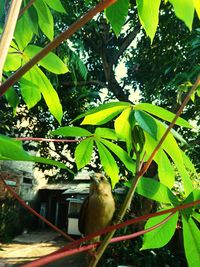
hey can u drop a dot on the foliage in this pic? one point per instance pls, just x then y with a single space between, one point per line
133 131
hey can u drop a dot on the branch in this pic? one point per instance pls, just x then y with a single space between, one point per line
8 32
83 83
30 3
69 249
127 41
55 43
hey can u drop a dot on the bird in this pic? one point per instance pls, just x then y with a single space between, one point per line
98 208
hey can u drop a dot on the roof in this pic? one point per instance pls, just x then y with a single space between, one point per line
69 188
81 188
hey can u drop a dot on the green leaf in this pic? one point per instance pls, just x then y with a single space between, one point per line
197 7
165 170
33 19
191 239
155 190
51 62
104 114
23 33
50 95
184 10
161 113
146 122
193 196
13 60
171 147
51 162
196 216
12 97
11 149
83 152
120 105
108 162
161 235
148 13
123 127
116 14
71 131
121 154
56 5
106 133
29 90
45 18
188 163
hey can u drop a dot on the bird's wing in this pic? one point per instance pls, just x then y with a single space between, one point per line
82 215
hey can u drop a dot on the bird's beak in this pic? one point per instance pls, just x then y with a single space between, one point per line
94 179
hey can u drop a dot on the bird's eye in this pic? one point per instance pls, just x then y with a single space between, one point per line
101 178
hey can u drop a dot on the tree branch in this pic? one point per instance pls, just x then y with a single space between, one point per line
127 41
55 43
83 83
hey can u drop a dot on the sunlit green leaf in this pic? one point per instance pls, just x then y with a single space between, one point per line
161 113
196 216
30 91
121 9
160 236
50 62
50 95
148 13
197 7
155 190
106 133
120 105
56 5
103 115
191 239
188 163
23 34
184 10
45 18
83 152
11 149
108 162
123 127
121 154
13 60
72 131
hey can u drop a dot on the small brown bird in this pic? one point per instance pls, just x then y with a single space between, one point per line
98 208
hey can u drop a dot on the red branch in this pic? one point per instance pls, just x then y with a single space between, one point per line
34 212
47 140
62 254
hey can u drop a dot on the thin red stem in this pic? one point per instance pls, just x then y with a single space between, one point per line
59 255
47 140
34 212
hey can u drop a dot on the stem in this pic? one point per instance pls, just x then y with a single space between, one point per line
56 42
62 254
34 212
8 32
30 3
123 209
186 100
40 139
